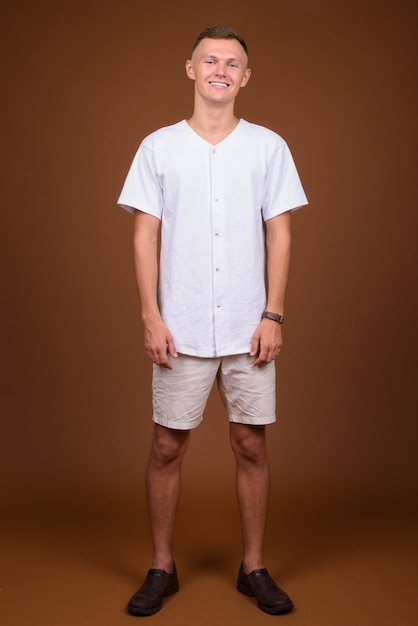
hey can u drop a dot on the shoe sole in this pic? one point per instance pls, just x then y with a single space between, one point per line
246 591
169 592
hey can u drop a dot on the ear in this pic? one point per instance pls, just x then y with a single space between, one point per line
189 70
246 77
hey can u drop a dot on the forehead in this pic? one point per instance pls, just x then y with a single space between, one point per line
229 48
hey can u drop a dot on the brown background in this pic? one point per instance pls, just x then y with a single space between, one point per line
83 83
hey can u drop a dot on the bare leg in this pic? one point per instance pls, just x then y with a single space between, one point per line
163 480
253 482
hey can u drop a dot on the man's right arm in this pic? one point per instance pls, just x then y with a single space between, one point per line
158 339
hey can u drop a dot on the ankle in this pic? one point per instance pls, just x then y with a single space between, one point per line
250 565
163 563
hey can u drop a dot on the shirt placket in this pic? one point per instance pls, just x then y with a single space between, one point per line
218 260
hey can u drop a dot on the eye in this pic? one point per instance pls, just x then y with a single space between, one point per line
234 65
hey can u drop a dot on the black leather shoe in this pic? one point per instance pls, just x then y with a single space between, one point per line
260 585
149 598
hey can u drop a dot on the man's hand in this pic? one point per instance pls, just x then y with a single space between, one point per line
266 342
159 343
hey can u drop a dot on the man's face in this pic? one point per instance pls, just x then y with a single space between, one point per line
219 69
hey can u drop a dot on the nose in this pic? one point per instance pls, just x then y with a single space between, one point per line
221 69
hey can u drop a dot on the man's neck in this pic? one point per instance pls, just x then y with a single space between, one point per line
213 124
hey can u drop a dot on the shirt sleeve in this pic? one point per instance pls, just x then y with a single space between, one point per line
142 190
283 191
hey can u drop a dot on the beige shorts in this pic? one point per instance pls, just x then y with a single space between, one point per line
180 395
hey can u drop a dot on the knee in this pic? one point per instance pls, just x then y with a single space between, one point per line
168 446
249 445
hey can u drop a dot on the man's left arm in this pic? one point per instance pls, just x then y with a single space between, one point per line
267 339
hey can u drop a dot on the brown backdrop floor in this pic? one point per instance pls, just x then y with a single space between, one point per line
343 566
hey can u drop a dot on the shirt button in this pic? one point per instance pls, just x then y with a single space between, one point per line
217 235
217 269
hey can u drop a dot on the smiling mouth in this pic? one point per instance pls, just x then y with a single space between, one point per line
218 84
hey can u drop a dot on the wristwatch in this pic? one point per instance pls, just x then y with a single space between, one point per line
276 317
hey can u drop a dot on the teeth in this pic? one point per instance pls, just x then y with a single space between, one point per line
219 84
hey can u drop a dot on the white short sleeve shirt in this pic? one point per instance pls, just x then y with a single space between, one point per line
212 202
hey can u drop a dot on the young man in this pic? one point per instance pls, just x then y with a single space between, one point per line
219 192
